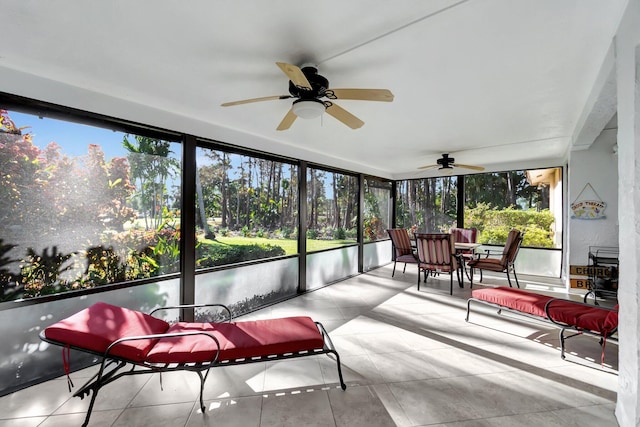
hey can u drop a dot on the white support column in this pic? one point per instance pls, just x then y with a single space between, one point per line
628 80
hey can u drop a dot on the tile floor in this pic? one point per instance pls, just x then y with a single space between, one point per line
409 359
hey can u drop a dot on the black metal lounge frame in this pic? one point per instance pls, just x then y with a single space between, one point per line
549 319
105 376
566 327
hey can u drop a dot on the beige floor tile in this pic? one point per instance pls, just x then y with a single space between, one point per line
98 419
588 416
232 412
356 370
518 420
290 374
431 401
309 409
22 422
507 393
359 407
112 396
170 387
238 380
391 405
38 400
166 415
405 366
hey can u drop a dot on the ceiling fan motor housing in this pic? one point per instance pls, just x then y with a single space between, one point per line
445 162
319 85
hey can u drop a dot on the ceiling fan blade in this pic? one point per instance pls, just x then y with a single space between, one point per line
344 116
264 98
363 94
429 167
287 121
295 74
475 168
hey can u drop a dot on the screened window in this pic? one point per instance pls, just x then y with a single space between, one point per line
332 209
84 206
427 205
377 209
247 208
528 200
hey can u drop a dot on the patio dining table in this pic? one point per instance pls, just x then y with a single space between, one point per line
465 247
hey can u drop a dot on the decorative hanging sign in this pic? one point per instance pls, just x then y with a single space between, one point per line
588 208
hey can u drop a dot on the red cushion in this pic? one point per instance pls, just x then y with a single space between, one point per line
96 327
611 321
238 340
516 299
406 258
583 316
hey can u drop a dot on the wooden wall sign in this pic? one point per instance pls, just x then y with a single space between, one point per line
588 208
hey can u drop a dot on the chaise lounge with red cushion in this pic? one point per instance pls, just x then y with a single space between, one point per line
121 336
568 315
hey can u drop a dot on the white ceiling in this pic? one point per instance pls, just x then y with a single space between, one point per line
493 82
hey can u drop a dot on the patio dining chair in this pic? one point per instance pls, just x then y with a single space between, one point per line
402 250
437 254
505 263
465 235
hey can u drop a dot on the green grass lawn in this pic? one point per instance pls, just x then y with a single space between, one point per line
290 246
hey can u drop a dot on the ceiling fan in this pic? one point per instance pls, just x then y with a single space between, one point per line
446 164
309 88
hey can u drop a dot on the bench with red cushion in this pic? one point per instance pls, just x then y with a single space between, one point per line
568 315
125 336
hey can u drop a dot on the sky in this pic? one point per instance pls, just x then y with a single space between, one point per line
73 138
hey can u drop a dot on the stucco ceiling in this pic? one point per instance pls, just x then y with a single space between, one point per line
496 83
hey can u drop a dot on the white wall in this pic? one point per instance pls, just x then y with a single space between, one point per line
597 166
628 94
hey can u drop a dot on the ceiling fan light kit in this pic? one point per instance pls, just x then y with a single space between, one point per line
308 108
446 170
309 88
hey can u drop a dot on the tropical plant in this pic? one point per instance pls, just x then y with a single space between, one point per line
40 273
151 166
104 266
8 281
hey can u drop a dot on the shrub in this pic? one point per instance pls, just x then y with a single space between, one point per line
312 234
339 234
352 233
494 224
217 254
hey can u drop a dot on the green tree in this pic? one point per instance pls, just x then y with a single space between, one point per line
151 166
